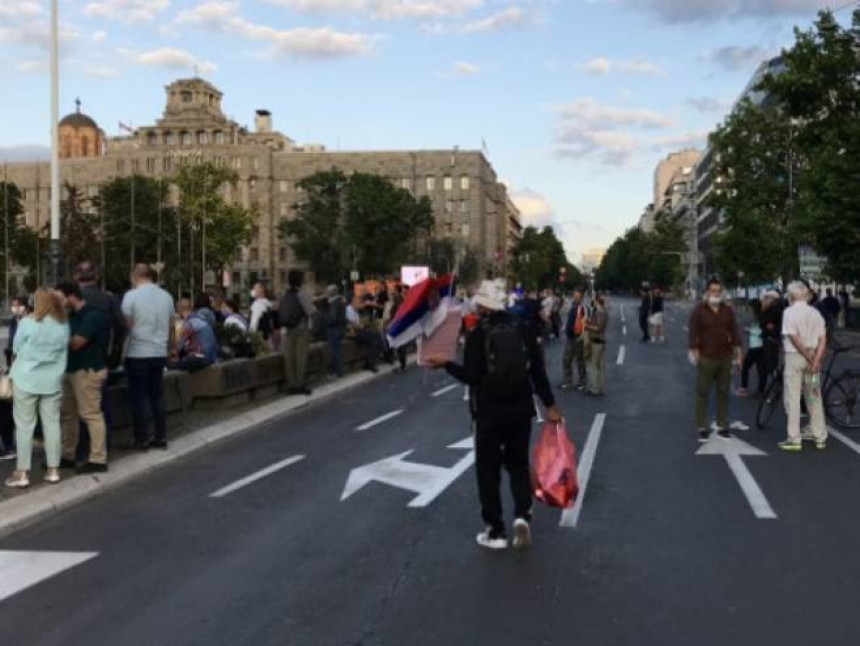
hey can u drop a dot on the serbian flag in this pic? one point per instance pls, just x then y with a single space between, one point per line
423 310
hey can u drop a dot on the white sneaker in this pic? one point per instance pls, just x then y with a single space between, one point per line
522 535
739 426
485 540
18 480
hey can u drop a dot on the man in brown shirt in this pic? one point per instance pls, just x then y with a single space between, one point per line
714 342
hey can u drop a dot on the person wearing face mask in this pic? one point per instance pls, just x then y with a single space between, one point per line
715 342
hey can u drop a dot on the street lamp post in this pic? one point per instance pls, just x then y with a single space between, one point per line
54 249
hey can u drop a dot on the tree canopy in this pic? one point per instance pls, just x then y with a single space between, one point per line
539 260
639 257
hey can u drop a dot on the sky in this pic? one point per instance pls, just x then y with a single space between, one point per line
575 100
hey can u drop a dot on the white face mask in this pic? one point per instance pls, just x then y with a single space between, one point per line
714 301
253 294
17 310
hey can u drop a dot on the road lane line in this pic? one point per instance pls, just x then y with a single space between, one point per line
446 389
380 420
755 497
622 352
624 330
847 441
623 316
259 475
570 517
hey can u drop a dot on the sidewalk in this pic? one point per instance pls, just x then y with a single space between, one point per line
19 508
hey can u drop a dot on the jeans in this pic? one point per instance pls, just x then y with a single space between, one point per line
503 442
334 337
145 379
7 426
709 373
27 407
574 352
296 341
86 406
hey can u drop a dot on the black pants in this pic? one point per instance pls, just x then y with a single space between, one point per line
503 441
145 381
755 357
643 323
371 341
7 426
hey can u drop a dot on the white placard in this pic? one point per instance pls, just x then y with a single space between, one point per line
410 276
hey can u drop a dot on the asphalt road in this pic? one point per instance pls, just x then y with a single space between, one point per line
667 549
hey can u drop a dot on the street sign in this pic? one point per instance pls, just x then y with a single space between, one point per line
354 276
733 451
426 480
811 264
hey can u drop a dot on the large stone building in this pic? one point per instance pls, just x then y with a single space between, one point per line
667 168
470 205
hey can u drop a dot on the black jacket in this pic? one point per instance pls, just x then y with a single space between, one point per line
474 368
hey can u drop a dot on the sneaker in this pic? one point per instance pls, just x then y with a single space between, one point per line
739 426
704 435
821 444
91 467
522 535
8 455
723 434
492 539
789 445
18 480
158 444
52 475
566 386
580 389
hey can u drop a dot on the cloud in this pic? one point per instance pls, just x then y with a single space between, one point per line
588 112
24 153
465 69
169 58
535 209
602 66
100 71
10 9
33 65
126 10
99 36
385 9
733 57
684 11
38 34
696 139
507 18
707 104
304 42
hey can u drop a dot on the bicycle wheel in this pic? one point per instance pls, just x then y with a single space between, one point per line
769 402
842 400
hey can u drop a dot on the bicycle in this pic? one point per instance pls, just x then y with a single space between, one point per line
841 394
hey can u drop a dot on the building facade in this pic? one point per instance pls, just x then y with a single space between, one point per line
470 205
667 168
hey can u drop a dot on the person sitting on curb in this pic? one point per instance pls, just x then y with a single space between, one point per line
198 347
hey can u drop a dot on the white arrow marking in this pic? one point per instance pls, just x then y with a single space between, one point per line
21 570
570 517
444 390
847 441
426 480
380 420
259 475
622 352
466 394
623 318
733 451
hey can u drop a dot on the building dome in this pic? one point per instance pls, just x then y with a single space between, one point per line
80 135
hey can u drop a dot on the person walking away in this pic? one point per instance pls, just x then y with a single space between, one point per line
295 312
41 351
87 372
805 343
148 310
755 352
262 319
335 328
597 325
714 342
503 369
574 350
645 312
655 317
197 347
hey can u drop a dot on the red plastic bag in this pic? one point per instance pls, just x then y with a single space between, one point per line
554 477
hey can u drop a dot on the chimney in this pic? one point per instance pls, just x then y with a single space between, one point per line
263 121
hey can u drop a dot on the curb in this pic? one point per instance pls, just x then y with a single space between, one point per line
23 511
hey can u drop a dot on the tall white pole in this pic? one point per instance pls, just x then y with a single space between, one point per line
55 140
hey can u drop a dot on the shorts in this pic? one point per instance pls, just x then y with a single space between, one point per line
656 318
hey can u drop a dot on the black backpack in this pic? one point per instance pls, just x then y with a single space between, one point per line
507 374
292 314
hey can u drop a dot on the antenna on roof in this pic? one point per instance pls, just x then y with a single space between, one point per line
78 105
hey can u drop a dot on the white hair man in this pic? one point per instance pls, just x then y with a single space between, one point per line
804 336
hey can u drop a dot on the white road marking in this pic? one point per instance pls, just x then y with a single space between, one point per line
622 352
733 451
570 517
259 475
444 390
466 394
847 441
426 480
686 328
623 316
624 330
21 570
380 420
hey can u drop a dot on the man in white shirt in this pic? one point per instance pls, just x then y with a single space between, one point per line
804 334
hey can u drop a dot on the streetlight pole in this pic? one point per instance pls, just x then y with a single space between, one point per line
54 249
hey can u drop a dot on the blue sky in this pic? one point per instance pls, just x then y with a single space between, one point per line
576 99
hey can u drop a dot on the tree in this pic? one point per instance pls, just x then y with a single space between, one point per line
539 259
22 242
626 264
78 228
360 221
445 255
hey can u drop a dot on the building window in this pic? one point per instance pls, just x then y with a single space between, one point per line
255 254
150 164
219 138
255 232
218 161
135 165
167 164
120 165
283 276
253 184
169 139
92 191
465 230
282 254
284 209
465 183
237 163
283 185
202 137
185 138
406 183
448 182
187 97
449 206
152 139
256 163
237 279
431 183
449 228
